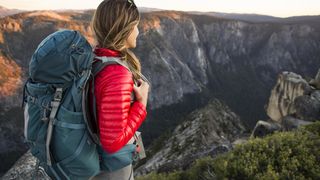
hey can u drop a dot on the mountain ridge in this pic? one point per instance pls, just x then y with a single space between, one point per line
7 12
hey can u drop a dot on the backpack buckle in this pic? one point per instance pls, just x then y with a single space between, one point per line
57 95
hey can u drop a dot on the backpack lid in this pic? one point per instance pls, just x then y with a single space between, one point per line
60 58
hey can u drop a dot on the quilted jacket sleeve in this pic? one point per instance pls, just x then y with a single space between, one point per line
118 118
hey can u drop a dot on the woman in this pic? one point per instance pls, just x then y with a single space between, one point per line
115 25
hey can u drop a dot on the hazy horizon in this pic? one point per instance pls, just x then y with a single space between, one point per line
283 8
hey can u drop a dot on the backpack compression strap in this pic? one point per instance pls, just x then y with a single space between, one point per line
55 106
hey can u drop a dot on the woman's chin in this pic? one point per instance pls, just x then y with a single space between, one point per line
132 46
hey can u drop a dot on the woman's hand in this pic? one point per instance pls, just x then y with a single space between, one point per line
141 91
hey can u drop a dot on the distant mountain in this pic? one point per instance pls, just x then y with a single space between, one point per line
146 9
257 18
241 17
6 12
303 19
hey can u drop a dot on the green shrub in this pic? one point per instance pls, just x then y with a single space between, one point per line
283 155
177 175
201 169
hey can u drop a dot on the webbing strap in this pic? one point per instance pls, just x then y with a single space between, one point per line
104 61
24 93
131 173
62 171
113 60
94 101
48 141
91 122
97 67
55 106
68 125
54 173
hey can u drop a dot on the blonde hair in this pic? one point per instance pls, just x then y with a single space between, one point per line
112 23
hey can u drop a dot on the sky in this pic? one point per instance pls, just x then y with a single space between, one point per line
278 8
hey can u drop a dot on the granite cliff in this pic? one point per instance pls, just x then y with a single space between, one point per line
294 101
210 130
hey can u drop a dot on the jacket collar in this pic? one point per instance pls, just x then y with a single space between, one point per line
106 52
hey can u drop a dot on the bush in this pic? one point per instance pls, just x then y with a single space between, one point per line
283 155
177 175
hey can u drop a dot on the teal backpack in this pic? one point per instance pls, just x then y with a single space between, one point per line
59 128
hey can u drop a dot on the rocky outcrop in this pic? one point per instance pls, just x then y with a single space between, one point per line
316 81
293 102
308 106
264 128
289 123
25 168
281 102
207 131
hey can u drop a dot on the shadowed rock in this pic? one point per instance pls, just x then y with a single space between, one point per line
289 123
316 81
308 107
25 168
264 128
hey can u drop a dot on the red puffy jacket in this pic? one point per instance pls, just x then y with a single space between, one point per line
118 119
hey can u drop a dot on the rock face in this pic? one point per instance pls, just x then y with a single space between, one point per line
10 83
293 102
264 128
281 102
289 123
293 96
207 131
23 168
316 81
233 59
308 106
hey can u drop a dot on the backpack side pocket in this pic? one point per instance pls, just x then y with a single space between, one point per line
72 147
36 112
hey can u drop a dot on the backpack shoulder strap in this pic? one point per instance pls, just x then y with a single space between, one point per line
105 61
97 66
